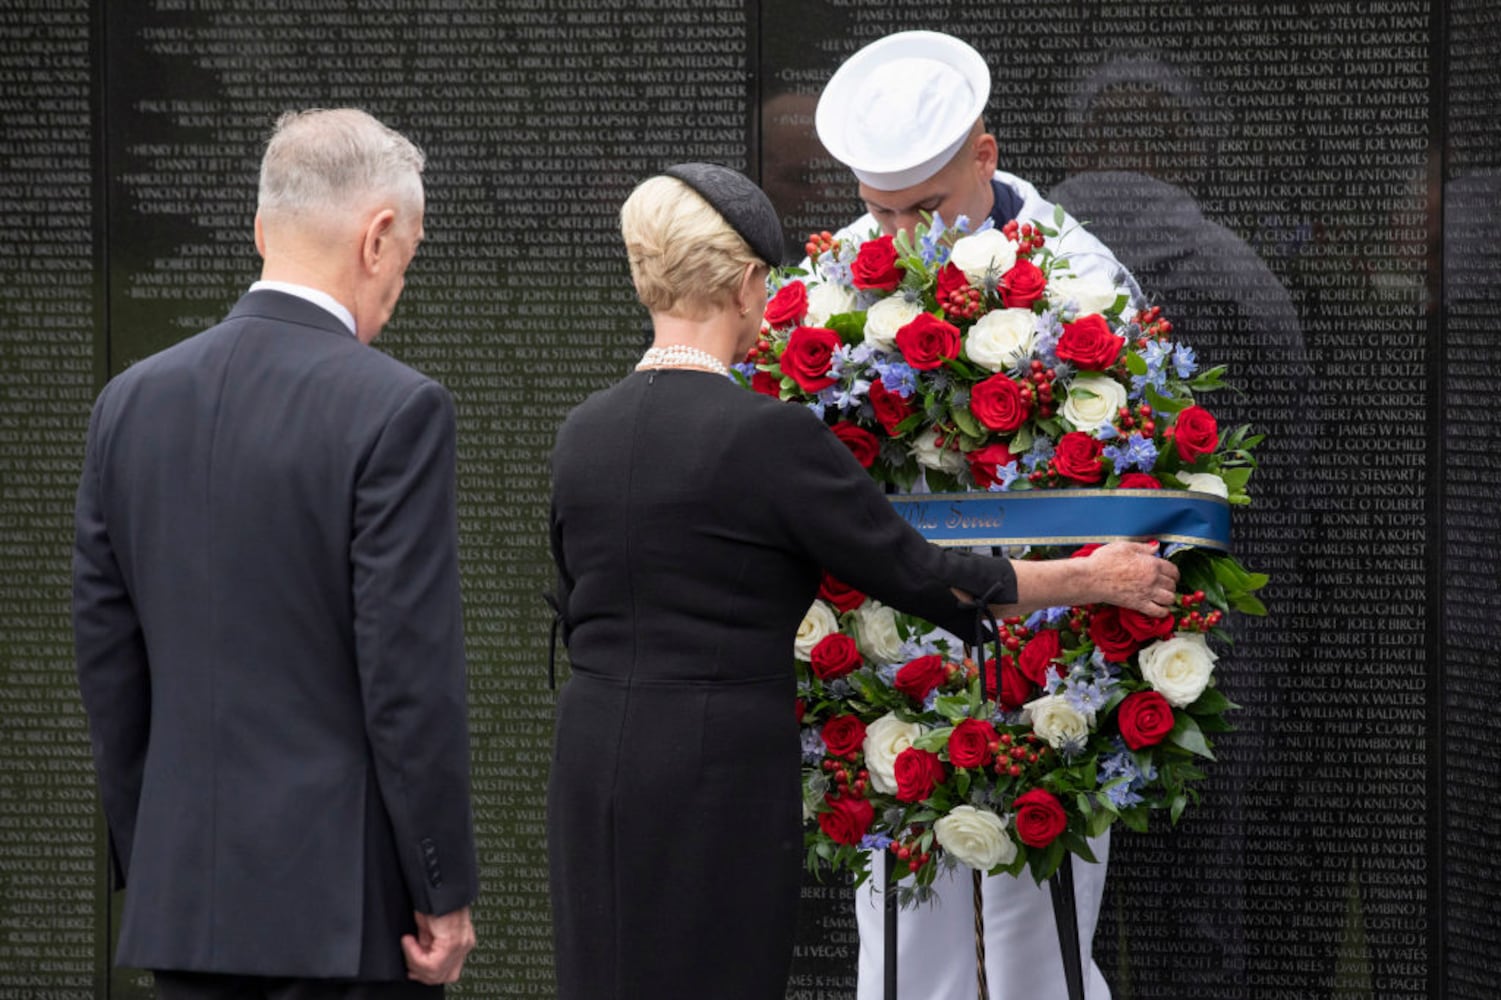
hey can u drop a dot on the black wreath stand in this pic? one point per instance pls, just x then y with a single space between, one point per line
1060 883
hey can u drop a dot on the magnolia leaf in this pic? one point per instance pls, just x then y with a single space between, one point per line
1165 404
934 739
1071 841
1135 818
966 421
1248 605
1211 702
1186 734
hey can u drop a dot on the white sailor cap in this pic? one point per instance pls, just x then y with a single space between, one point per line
899 109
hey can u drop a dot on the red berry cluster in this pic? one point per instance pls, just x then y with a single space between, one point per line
1129 420
911 851
1013 755
1191 619
852 783
761 353
1153 326
1037 389
818 243
1027 236
964 674
960 303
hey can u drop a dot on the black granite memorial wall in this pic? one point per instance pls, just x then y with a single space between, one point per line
1310 190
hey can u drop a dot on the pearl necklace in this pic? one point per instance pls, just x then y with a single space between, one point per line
681 356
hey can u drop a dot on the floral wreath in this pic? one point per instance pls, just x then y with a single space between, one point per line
981 361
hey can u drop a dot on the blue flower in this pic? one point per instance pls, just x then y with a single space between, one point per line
813 746
852 397
875 842
1038 454
1048 615
1136 452
746 368
1184 362
1005 475
1155 354
898 377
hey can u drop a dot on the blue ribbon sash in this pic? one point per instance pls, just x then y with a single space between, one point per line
1068 517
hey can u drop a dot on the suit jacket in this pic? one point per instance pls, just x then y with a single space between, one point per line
269 648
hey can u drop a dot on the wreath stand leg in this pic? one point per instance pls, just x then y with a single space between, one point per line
1065 915
981 984
889 952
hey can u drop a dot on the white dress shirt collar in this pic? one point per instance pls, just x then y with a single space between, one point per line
313 295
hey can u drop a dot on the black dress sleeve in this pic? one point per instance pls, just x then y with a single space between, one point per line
828 506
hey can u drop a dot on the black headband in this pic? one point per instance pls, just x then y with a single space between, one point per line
742 204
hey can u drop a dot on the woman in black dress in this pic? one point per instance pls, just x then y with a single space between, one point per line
690 522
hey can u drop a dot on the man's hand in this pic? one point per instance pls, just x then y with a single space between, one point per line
435 955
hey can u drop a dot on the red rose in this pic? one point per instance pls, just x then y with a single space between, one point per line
1145 719
1089 343
1110 636
917 771
861 442
875 265
1078 457
1037 656
841 595
984 462
806 359
1139 481
891 408
1022 285
998 404
767 384
801 707
950 281
926 341
834 656
1015 690
1086 550
843 735
1196 433
848 819
970 743
1143 627
918 678
788 306
1039 817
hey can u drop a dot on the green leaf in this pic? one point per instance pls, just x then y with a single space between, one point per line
962 782
1211 702
1135 363
1135 818
850 326
1180 802
966 421
1249 605
934 739
1186 734
1058 216
1164 404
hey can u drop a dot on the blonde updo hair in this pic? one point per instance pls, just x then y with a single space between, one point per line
685 258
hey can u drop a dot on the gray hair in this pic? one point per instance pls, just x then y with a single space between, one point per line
332 159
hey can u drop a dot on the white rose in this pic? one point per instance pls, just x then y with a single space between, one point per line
885 738
1058 722
1093 400
1094 292
975 837
875 632
886 317
983 256
819 623
1204 482
1178 668
929 455
828 299
1001 338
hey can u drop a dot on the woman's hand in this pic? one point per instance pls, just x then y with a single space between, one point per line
1131 575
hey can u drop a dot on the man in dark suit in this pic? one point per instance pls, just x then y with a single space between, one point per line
267 617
